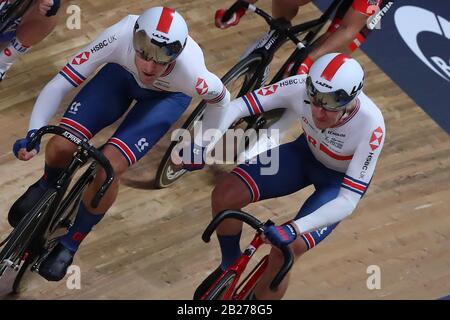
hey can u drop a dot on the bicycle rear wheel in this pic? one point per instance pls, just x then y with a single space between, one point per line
239 80
218 292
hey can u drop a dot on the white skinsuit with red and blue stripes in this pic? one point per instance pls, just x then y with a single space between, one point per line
109 94
339 161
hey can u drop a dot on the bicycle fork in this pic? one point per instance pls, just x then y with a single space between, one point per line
250 281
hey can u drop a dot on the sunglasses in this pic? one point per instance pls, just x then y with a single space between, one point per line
330 101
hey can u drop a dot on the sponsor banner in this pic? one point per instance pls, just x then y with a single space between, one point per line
412 46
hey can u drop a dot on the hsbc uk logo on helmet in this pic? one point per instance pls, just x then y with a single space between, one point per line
323 84
427 27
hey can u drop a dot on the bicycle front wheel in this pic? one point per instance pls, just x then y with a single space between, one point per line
239 80
23 235
219 291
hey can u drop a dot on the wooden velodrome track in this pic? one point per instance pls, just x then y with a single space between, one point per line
149 246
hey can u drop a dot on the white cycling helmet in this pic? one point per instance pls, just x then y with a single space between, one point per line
160 34
334 81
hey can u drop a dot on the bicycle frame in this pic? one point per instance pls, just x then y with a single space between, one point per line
281 35
61 204
39 243
239 267
86 151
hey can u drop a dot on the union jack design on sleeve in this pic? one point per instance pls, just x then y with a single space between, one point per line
354 185
71 75
252 102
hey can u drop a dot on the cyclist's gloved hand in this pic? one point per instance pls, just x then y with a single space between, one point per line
195 159
304 67
235 18
20 147
281 236
49 8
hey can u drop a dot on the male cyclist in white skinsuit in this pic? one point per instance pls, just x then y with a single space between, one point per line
344 133
148 58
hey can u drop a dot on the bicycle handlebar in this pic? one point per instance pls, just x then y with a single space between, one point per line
259 227
85 146
273 23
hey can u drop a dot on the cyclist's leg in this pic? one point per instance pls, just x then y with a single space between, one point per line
304 243
327 183
248 183
142 128
144 125
101 102
287 9
346 33
33 28
253 182
302 64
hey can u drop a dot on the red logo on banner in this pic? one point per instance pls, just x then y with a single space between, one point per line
267 91
201 86
81 58
376 138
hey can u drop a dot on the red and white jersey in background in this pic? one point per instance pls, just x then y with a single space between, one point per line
366 7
